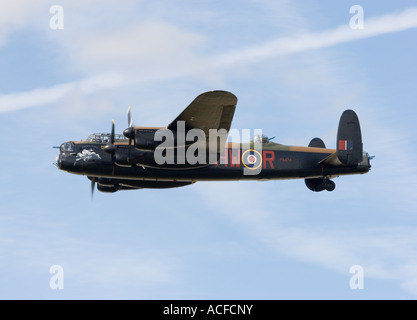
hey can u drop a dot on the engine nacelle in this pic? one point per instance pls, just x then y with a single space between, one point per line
107 189
104 185
128 156
145 139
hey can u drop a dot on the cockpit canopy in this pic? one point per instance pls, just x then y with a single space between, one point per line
105 137
261 138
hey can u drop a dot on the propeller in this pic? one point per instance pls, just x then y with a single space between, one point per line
129 118
93 186
110 147
130 131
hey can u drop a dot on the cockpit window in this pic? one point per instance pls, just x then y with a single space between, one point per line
105 137
67 147
261 138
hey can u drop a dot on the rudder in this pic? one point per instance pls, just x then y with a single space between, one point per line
317 143
349 139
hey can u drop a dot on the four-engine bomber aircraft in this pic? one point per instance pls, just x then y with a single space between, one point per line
188 150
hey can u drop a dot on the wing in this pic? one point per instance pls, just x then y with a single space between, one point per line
210 110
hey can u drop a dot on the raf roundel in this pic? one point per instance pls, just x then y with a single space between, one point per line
251 159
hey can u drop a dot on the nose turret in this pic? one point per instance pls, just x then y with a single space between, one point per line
66 156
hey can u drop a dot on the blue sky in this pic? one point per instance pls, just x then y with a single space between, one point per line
294 66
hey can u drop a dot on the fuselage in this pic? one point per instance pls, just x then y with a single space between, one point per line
237 162
194 147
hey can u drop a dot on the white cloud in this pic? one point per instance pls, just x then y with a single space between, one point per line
147 48
317 40
35 15
33 98
44 96
154 50
15 15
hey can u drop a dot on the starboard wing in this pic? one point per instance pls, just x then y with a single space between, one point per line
210 110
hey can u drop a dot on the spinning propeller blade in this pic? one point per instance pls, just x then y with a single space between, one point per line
110 147
112 133
130 131
129 118
93 186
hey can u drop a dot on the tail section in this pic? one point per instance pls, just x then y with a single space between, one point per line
317 143
349 139
319 184
349 151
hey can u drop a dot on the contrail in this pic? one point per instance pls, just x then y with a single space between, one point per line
318 40
255 53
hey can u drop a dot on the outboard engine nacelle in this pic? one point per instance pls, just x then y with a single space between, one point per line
145 139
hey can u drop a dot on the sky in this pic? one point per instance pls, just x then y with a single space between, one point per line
295 66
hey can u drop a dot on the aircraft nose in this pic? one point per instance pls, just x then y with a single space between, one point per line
66 162
56 164
61 161
65 159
